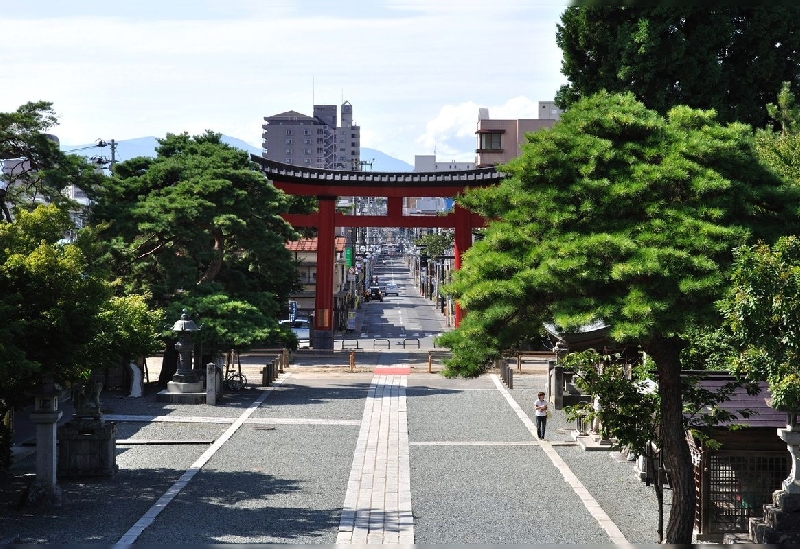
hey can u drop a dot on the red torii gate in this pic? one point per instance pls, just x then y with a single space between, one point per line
328 185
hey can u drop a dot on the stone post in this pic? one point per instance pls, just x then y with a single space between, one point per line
557 386
212 379
44 490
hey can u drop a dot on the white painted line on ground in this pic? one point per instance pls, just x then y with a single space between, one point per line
577 486
147 519
474 443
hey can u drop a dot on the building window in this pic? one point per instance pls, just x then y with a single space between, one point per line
288 132
288 159
319 160
288 141
288 151
307 161
489 142
306 132
307 141
306 151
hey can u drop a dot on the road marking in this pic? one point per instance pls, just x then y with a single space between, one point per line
577 486
150 516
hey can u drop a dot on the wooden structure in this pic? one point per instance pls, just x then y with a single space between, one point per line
328 185
734 481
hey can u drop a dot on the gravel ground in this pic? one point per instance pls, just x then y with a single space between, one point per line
285 483
280 485
629 502
491 497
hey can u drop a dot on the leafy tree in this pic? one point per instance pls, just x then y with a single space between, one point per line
620 214
127 329
49 307
37 170
630 409
718 56
780 150
436 244
199 227
763 310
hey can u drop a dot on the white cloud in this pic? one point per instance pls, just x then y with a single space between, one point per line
415 71
452 133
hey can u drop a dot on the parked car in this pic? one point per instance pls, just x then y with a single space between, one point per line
375 293
301 328
391 289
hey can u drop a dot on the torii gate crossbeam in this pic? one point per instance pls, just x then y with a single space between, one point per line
328 185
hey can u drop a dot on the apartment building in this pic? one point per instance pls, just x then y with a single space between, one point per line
318 141
500 140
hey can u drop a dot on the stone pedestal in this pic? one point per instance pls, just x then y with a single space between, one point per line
781 521
87 447
183 393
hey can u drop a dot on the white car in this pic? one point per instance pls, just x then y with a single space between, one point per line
301 328
391 289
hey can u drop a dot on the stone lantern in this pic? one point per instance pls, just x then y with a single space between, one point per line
184 328
186 386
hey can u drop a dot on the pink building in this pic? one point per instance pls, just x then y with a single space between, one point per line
501 140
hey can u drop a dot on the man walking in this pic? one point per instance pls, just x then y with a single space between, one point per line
541 415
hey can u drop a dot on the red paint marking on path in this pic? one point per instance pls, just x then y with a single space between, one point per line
392 370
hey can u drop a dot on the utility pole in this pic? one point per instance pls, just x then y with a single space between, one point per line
113 155
113 145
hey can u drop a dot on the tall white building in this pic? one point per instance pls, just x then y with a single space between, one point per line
317 141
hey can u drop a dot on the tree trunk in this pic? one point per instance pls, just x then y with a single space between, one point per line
677 459
216 263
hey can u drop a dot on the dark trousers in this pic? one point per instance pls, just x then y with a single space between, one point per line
541 424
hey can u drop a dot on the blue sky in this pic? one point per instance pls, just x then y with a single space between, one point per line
416 72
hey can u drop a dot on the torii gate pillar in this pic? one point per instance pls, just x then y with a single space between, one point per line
462 240
323 302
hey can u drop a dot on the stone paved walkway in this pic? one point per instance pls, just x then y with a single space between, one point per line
377 507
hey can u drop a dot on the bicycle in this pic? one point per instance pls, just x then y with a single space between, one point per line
234 380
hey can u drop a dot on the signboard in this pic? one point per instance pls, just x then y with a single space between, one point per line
351 321
292 310
348 257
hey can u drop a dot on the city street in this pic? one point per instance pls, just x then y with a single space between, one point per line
407 321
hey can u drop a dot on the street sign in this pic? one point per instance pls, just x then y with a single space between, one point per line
292 310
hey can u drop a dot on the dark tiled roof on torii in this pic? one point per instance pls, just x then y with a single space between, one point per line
462 178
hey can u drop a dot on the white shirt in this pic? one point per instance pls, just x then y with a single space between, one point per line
540 402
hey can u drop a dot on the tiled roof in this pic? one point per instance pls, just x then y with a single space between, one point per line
764 415
287 172
293 115
310 244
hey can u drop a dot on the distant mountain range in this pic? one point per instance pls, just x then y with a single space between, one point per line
146 146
